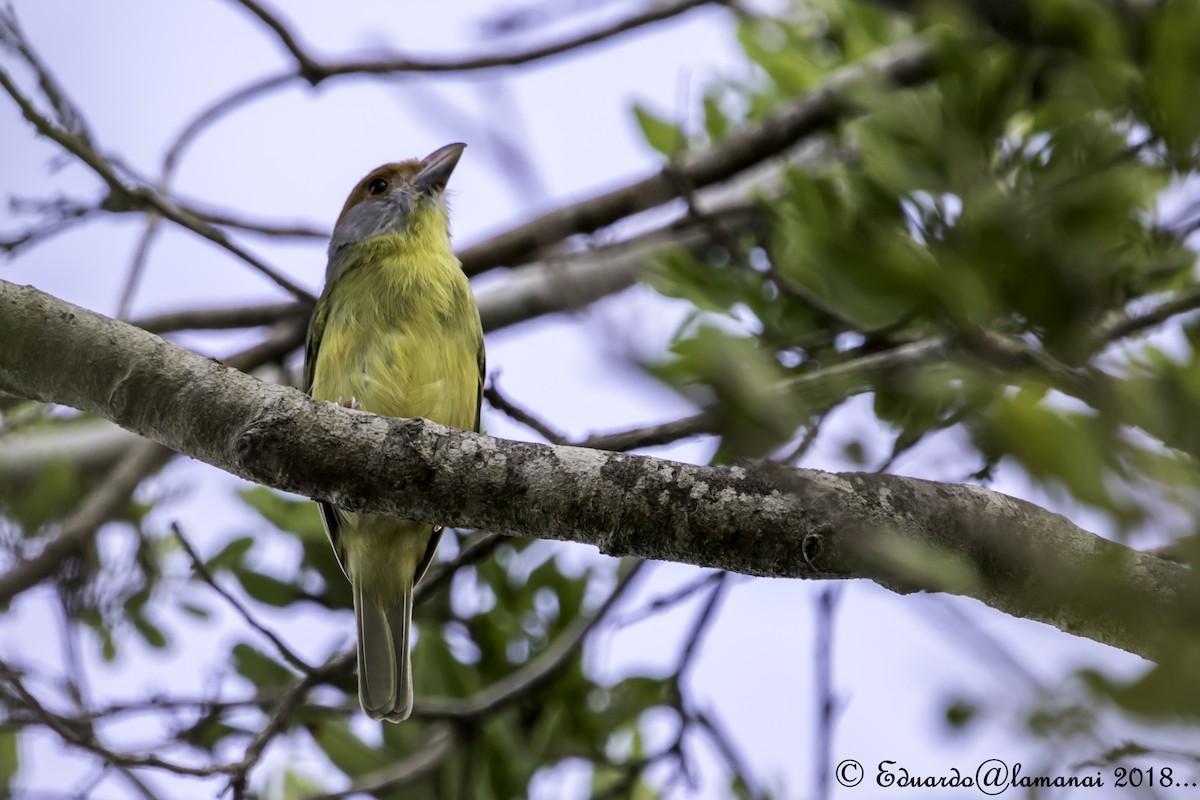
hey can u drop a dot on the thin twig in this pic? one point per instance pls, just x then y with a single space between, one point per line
82 735
728 751
198 565
441 572
1124 326
278 721
703 620
501 403
101 504
124 197
904 65
653 435
827 703
222 318
666 601
313 71
416 765
308 67
535 673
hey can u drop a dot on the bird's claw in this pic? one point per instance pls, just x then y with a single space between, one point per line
351 404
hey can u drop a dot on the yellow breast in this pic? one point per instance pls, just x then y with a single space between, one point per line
402 336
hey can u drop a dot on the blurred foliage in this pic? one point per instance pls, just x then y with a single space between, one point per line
1018 193
1022 197
514 614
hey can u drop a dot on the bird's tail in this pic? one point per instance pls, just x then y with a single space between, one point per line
384 666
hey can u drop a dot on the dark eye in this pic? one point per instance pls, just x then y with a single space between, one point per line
377 186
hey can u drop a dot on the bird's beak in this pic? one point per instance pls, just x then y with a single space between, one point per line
437 166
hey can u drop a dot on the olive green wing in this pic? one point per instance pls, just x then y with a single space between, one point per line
427 559
312 344
481 357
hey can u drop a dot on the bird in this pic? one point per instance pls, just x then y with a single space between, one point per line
395 332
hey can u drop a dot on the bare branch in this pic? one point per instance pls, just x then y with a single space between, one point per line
315 71
309 69
826 695
223 318
570 281
502 404
703 621
904 65
535 673
125 197
1127 325
58 215
666 601
421 762
82 735
99 506
206 576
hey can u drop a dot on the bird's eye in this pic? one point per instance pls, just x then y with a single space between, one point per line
377 186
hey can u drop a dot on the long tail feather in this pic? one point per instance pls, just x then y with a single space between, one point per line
400 621
377 669
385 688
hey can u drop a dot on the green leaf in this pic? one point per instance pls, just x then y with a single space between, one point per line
199 612
1173 75
52 494
664 137
1052 444
754 412
108 646
150 632
208 733
348 753
716 123
10 761
260 669
231 555
1168 690
297 785
300 517
794 63
266 589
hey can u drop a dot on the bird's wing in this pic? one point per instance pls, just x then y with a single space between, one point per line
482 359
329 515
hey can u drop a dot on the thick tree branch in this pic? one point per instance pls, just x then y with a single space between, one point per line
904 533
141 459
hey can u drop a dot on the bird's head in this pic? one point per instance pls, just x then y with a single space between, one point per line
402 199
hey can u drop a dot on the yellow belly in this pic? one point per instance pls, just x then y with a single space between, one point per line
400 350
398 373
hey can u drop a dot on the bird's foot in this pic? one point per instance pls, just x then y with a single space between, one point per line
351 404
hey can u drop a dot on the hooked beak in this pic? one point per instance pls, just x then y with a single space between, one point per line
437 166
